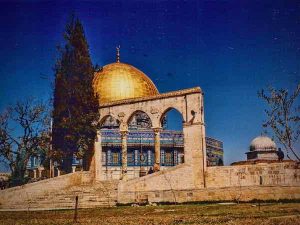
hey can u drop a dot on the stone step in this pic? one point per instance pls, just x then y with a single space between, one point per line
103 194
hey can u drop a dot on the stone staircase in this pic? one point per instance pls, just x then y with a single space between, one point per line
60 193
101 194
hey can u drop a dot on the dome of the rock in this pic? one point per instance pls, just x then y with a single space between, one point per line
118 81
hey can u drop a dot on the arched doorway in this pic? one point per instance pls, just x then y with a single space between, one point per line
171 138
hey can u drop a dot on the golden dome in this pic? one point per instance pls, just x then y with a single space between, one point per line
117 81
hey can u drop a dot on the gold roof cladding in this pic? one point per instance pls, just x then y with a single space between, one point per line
118 81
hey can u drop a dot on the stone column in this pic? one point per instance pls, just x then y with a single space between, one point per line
124 154
156 148
58 172
73 169
34 173
97 157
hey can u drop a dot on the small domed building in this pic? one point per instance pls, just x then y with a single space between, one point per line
262 148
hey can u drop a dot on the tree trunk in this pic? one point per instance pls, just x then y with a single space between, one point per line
18 174
87 158
67 164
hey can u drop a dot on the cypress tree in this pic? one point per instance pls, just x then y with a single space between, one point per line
75 106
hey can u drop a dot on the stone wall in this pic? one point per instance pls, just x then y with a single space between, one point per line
20 196
285 173
175 184
176 178
244 182
213 194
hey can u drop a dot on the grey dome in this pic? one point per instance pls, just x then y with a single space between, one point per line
262 143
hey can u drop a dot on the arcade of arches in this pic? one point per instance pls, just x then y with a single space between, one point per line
138 122
141 138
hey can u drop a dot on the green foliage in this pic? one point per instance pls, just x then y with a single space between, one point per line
75 112
283 116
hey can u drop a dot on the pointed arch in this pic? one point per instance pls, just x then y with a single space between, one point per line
109 120
142 119
166 111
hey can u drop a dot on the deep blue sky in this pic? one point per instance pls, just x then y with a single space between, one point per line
231 49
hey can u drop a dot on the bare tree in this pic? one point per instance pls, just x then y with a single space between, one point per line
24 132
283 116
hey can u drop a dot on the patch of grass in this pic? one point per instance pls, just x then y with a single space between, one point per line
245 214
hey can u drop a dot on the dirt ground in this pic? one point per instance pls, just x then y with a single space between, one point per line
244 214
